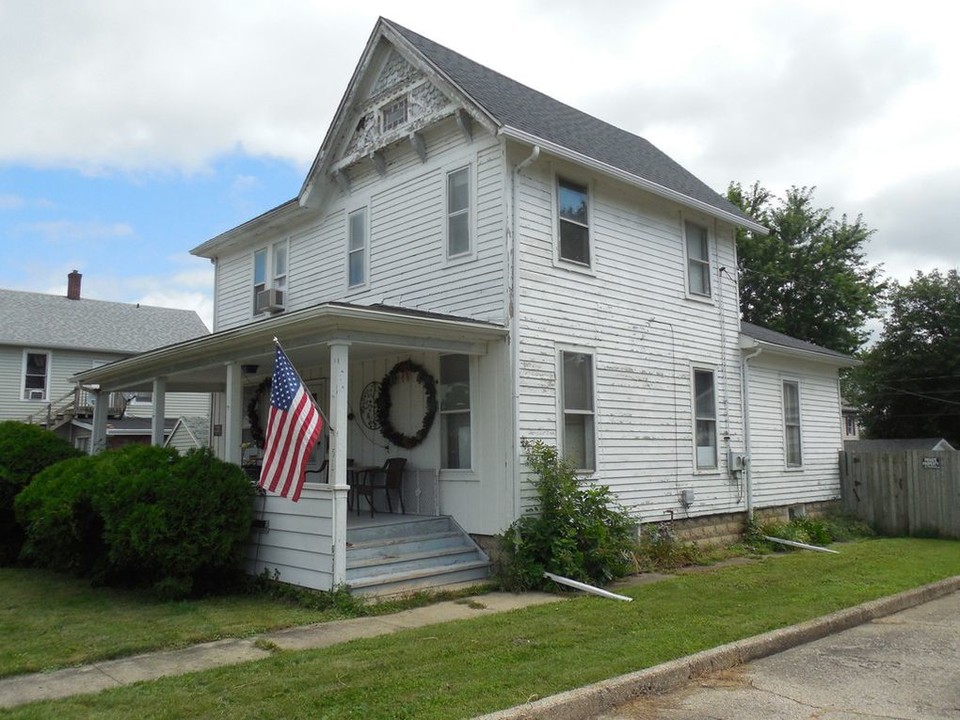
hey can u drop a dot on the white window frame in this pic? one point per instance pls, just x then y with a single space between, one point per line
24 391
363 251
787 425
697 419
707 263
572 179
273 279
468 211
471 383
563 411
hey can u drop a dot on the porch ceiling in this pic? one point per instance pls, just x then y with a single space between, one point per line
200 365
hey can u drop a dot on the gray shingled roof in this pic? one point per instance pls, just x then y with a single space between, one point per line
515 105
51 321
776 338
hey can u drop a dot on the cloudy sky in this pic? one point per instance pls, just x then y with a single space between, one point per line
133 130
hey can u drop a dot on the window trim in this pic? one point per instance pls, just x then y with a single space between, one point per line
470 211
470 411
795 383
687 260
712 371
46 379
558 258
562 411
364 250
270 274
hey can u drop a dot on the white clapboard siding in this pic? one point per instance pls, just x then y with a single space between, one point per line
296 546
176 404
63 365
818 479
631 311
407 263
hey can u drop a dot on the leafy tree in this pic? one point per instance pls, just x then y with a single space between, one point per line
909 385
809 277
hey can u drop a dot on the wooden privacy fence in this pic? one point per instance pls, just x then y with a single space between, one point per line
914 492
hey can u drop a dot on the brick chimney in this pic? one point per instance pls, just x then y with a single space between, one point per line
73 285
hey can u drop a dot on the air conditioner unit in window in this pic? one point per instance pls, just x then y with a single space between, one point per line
270 300
36 395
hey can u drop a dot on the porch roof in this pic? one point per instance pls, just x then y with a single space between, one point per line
199 365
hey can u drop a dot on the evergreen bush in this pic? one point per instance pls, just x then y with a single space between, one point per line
142 516
577 530
64 531
25 450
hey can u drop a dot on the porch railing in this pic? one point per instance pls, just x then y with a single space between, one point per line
76 402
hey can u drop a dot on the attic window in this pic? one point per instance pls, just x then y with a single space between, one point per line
394 114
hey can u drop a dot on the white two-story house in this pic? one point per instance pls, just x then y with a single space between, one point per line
549 276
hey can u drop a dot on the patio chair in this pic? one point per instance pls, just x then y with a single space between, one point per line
387 478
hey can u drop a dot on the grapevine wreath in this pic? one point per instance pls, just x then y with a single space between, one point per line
385 402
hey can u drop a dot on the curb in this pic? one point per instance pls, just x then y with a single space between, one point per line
592 700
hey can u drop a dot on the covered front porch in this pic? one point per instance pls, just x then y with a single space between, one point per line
343 353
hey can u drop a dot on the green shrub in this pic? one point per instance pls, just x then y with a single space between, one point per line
819 531
25 450
151 517
577 530
659 549
64 531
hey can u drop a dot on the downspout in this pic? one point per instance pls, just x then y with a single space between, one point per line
513 301
748 470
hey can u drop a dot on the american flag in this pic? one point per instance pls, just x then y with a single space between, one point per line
294 426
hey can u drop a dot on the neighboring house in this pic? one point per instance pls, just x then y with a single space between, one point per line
851 422
549 275
47 339
898 445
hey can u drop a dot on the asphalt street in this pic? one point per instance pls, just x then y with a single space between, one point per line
904 666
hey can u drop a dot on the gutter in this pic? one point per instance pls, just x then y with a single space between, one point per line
745 383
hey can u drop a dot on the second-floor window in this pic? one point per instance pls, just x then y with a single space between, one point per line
579 438
36 366
270 273
357 248
455 411
573 201
698 259
791 423
458 212
705 419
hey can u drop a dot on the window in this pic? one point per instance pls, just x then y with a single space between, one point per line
791 423
394 114
458 212
705 419
357 247
698 259
455 411
578 439
849 425
35 368
270 274
573 202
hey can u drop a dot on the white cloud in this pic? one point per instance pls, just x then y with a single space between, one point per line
182 300
57 231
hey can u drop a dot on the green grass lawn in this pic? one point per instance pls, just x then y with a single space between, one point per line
462 669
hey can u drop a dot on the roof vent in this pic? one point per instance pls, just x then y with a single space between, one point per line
73 285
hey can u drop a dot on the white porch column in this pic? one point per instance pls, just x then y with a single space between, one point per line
101 408
337 469
159 410
233 423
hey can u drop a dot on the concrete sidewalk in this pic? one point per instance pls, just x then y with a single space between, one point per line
87 679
